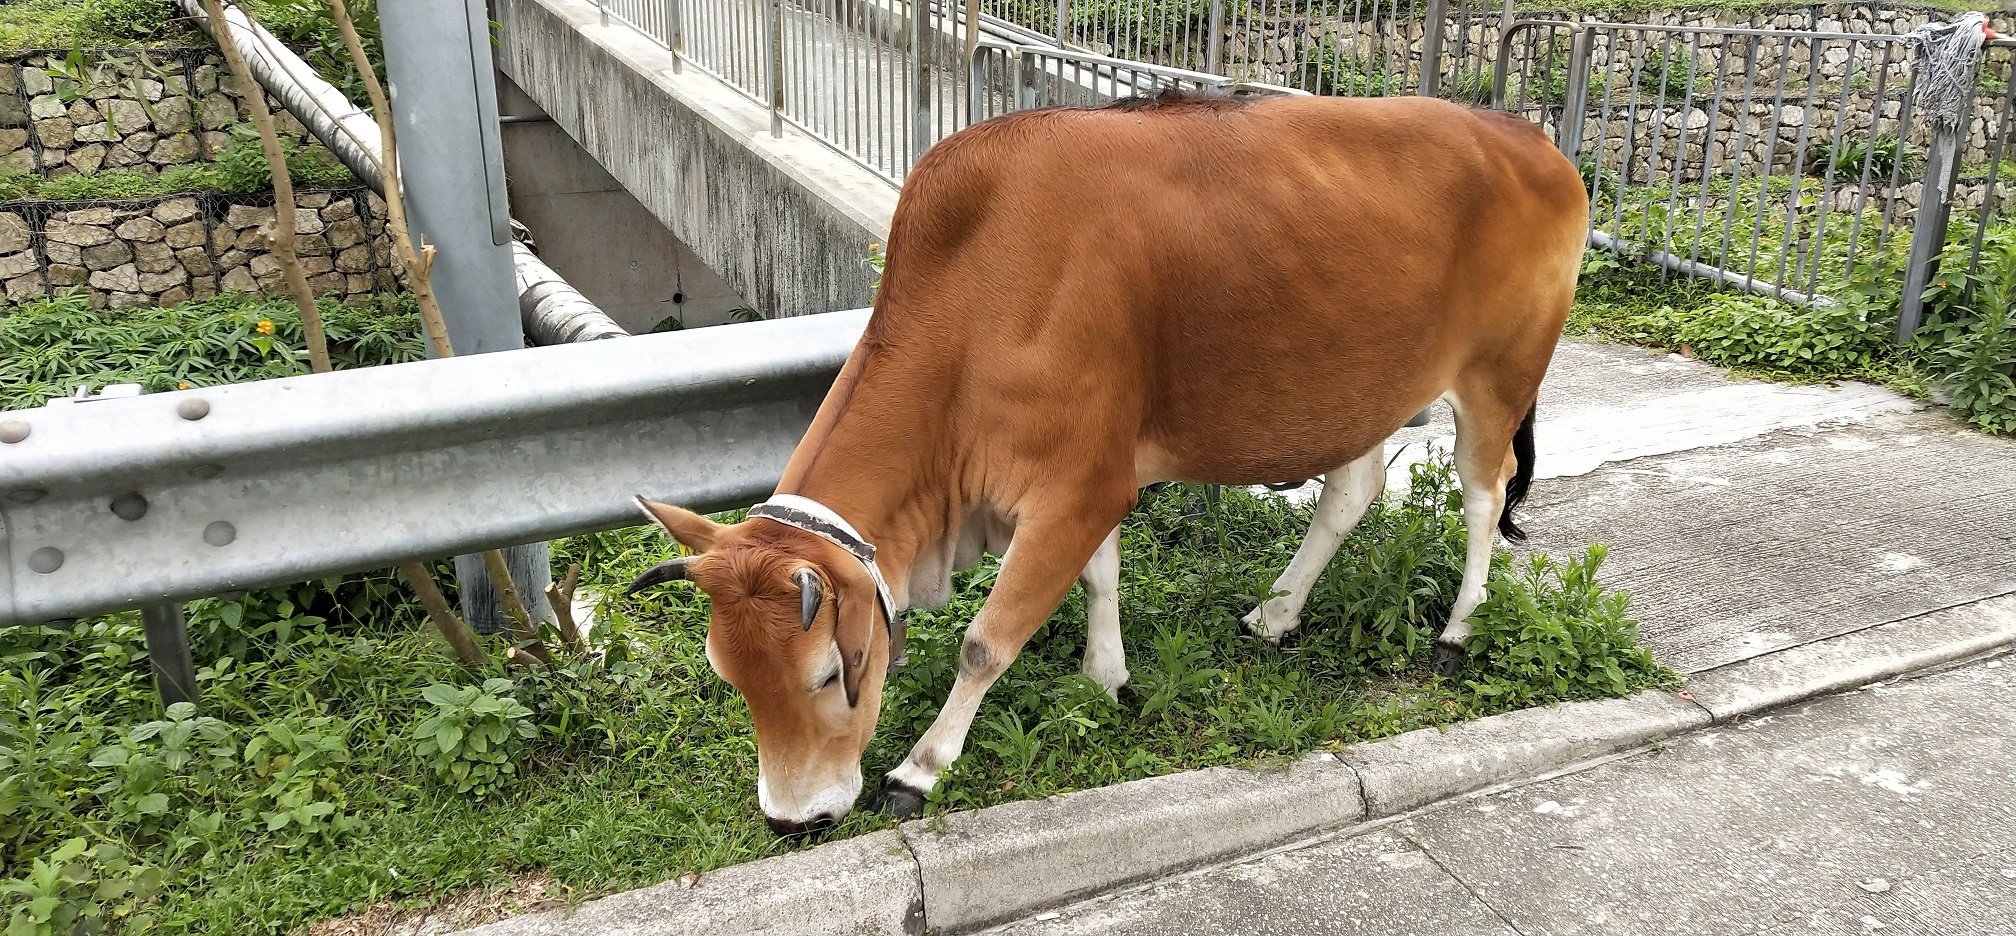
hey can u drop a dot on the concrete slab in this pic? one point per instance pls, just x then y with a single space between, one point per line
1892 794
1853 660
982 867
1378 884
1739 550
1431 764
863 885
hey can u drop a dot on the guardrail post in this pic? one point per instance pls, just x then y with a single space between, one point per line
1214 37
675 33
1575 97
451 161
168 653
773 63
1431 47
1063 24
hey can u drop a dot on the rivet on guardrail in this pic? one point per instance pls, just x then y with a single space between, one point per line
129 506
13 431
206 472
27 495
46 560
220 533
193 408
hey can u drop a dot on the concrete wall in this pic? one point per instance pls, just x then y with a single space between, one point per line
591 231
785 221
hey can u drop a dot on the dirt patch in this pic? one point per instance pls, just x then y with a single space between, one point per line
454 912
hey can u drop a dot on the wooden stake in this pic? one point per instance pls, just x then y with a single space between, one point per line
451 627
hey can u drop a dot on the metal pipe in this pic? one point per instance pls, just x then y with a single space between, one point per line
1431 47
352 136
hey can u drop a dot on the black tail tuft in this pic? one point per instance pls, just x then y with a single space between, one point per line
1522 477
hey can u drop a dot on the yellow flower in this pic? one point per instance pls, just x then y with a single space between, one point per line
183 385
874 246
265 326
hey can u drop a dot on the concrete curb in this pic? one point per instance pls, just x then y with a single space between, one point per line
968 870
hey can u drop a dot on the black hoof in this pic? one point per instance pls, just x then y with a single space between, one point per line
1448 660
897 798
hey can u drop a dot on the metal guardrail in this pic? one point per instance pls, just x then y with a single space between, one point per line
114 503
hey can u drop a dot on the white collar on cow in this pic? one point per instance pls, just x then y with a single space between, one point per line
821 521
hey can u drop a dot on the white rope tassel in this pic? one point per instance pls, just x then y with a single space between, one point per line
1946 55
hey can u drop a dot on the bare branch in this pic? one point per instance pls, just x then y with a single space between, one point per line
451 627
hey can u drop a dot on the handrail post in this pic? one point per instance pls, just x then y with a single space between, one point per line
1431 47
1214 37
974 100
773 61
675 33
1935 193
1575 97
920 76
1501 69
1063 24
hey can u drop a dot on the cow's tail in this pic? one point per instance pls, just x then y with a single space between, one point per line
1522 477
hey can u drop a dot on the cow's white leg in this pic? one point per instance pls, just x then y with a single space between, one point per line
1483 463
1347 492
1105 658
1035 574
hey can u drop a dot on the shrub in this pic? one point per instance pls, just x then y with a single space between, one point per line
1760 333
475 736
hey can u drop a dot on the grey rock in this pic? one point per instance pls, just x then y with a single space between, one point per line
17 264
47 105
173 296
238 279
175 211
56 132
24 288
184 235
14 232
177 148
87 158
81 235
59 252
157 282
346 233
118 279
125 116
354 259
196 261
63 274
153 257
107 255
140 229
239 217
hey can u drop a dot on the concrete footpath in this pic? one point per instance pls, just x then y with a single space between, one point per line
1779 543
1887 810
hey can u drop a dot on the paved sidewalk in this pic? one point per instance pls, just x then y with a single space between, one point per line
1891 810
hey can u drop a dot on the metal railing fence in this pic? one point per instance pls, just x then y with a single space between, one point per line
879 81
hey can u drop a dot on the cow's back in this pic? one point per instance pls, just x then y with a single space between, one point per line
1250 290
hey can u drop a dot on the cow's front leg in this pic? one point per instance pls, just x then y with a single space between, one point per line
1105 657
1036 572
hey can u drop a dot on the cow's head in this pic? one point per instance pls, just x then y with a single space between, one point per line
794 629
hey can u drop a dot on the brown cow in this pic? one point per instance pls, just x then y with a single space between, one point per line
1082 301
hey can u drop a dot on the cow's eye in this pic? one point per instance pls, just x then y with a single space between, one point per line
830 680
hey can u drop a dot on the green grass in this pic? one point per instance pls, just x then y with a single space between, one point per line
239 168
63 24
50 346
643 766
301 791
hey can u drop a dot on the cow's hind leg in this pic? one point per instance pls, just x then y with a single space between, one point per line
1347 492
1048 551
1487 424
1105 657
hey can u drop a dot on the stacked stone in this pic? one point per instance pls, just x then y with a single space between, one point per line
127 121
163 252
146 255
340 251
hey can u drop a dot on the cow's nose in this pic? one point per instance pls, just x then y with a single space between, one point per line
790 829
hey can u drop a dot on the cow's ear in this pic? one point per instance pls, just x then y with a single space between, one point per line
692 530
859 606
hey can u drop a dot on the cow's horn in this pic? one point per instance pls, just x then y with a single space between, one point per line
810 594
671 570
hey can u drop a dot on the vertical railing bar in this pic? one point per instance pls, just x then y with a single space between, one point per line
1905 111
1869 153
1994 173
1431 47
1626 154
1742 137
774 48
1810 260
1799 160
1770 156
1680 140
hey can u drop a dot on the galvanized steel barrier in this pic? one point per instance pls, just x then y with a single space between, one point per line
127 501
